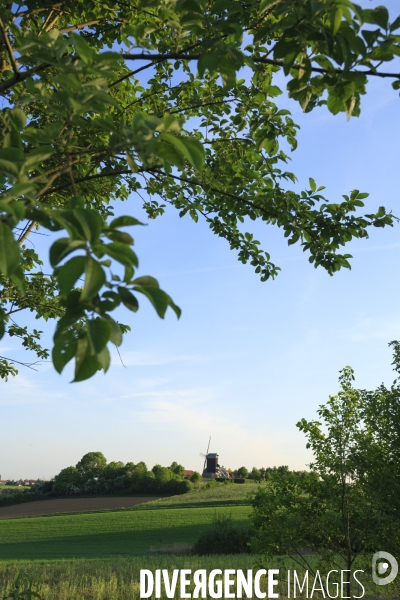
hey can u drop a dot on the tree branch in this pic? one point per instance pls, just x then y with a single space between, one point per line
9 48
88 24
19 77
260 59
26 231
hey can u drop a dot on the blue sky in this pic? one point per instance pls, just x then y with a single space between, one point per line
248 359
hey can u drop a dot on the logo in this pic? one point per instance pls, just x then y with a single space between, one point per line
380 568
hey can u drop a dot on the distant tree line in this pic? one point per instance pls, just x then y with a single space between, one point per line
264 473
93 475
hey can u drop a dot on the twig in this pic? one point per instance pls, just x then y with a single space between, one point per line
29 365
9 48
120 358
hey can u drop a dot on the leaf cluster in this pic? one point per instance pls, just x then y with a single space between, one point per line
191 120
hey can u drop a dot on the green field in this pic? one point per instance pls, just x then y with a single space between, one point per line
148 528
98 555
103 534
219 495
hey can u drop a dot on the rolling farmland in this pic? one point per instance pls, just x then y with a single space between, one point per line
106 534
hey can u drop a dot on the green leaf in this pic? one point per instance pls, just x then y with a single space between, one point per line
99 332
18 277
86 364
94 279
104 359
124 221
159 299
190 148
146 280
267 4
110 300
68 274
116 332
2 324
132 165
120 236
9 168
337 20
17 118
122 253
38 155
381 16
64 350
9 251
62 247
335 103
395 25
86 53
90 221
128 299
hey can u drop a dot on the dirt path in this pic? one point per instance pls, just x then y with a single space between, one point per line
65 505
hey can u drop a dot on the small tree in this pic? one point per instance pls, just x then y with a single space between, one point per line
67 480
379 456
92 461
195 477
242 472
255 474
177 469
328 510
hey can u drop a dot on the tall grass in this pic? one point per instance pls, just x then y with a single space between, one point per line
118 578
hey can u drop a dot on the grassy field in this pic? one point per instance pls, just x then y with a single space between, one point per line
107 534
112 579
98 555
220 495
117 578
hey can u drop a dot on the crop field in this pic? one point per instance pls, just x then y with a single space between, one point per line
68 505
102 534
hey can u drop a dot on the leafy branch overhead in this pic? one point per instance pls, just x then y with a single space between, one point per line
195 125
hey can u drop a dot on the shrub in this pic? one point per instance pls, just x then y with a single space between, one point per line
225 537
195 477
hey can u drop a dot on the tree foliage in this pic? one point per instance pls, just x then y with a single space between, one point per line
348 503
93 475
176 103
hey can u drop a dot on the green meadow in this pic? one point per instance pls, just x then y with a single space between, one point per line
98 555
107 534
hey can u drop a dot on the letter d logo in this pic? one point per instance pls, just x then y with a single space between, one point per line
382 567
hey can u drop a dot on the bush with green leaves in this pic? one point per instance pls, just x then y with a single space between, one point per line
224 537
195 477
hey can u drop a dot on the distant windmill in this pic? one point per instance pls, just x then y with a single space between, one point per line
205 455
211 467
